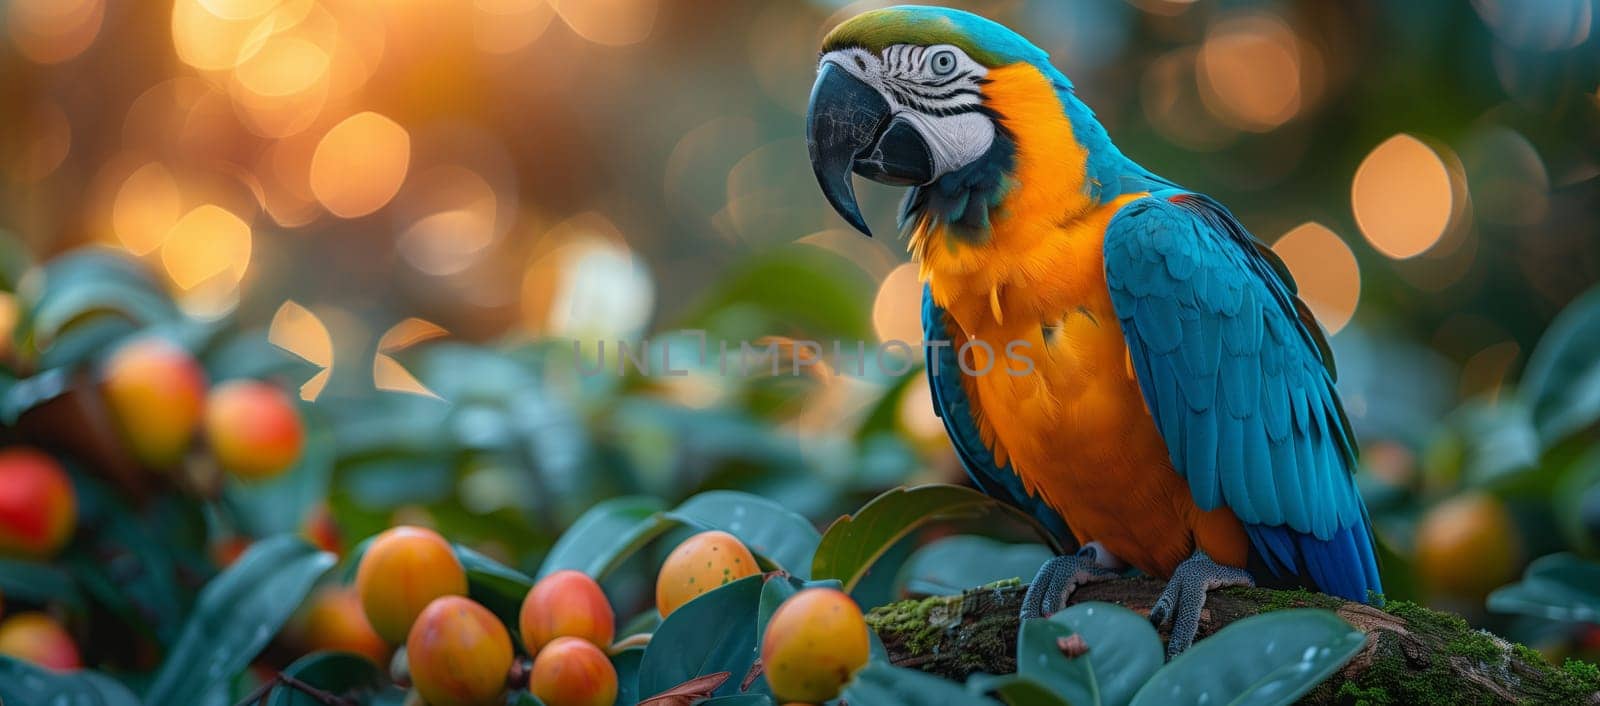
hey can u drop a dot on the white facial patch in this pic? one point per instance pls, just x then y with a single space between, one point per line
936 89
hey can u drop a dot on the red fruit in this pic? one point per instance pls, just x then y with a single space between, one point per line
566 604
459 654
573 672
155 391
38 638
38 508
254 429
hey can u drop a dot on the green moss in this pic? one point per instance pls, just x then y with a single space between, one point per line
1275 599
1423 620
919 623
1353 693
1476 646
1528 654
922 623
1577 681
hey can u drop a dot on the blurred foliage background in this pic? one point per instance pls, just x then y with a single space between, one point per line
425 201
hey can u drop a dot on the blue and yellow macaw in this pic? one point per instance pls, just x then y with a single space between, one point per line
1164 395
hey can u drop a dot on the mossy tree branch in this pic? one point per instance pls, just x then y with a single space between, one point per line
1413 655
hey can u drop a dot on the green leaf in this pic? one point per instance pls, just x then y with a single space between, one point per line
738 700
66 305
613 530
338 673
280 505
86 340
1557 587
122 565
523 698
37 582
626 663
25 394
854 542
885 414
237 614
809 290
1498 439
1040 659
709 634
1562 381
767 528
953 564
22 684
1124 650
1272 658
1015 690
605 535
882 684
498 587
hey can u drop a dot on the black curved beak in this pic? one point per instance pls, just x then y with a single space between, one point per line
849 128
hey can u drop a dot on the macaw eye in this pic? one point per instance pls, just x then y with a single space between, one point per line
943 63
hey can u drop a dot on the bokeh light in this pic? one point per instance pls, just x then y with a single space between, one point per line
48 140
1325 269
359 164
210 41
53 31
460 225
1542 25
506 26
1509 181
584 282
1171 97
1254 72
207 242
387 373
897 310
296 330
613 22
1404 196
146 207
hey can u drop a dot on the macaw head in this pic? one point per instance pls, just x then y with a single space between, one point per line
917 96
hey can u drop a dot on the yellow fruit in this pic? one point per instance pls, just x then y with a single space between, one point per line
404 570
814 643
1467 546
38 507
571 671
701 563
566 604
334 620
253 428
38 638
154 391
459 654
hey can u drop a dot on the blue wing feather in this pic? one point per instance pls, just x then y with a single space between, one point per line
950 402
1240 383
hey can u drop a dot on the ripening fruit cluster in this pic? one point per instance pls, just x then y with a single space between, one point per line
159 401
412 589
813 643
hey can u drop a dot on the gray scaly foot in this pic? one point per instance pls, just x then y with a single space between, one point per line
1060 576
1181 602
